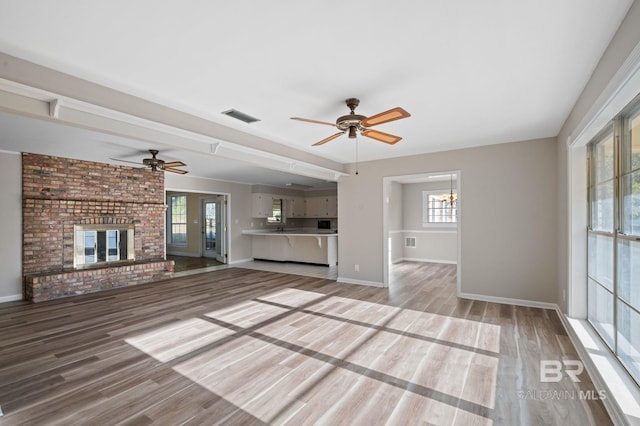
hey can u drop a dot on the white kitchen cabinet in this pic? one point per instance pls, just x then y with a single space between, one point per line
313 206
294 207
321 207
261 205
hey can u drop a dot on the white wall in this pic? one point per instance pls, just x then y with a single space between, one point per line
508 217
11 227
610 88
239 212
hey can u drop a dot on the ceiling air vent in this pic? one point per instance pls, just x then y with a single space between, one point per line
240 116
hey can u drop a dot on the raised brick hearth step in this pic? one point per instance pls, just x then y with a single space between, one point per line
41 287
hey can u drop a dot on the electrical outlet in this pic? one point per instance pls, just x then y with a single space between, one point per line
357 267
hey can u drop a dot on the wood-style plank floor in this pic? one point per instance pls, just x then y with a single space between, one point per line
238 346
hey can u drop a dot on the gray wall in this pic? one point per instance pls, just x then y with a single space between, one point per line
508 217
240 208
433 243
11 227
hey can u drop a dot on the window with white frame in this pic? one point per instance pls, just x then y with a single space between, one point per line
613 261
177 219
439 207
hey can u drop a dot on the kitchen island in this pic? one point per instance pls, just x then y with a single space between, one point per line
319 247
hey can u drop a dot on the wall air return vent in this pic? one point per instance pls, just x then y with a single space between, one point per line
238 115
410 242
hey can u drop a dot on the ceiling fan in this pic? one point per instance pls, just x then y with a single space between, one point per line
156 164
353 123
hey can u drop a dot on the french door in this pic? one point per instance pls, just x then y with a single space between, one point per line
214 227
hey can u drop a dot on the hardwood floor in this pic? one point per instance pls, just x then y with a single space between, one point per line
238 346
185 263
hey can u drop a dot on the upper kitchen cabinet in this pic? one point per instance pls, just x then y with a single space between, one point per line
261 205
319 207
294 207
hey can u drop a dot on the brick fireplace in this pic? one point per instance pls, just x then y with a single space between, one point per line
60 194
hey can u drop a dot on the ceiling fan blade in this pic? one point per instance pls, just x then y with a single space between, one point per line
174 164
385 117
381 136
308 120
172 170
325 140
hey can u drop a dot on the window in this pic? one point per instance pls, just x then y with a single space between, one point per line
438 209
177 215
276 211
613 243
95 245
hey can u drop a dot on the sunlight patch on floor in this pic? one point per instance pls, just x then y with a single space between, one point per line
323 356
182 337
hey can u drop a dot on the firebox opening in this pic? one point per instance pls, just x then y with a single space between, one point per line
99 245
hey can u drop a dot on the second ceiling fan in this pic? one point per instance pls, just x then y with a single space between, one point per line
353 123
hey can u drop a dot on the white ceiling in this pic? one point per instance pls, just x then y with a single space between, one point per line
470 73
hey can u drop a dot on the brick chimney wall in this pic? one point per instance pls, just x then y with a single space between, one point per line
61 192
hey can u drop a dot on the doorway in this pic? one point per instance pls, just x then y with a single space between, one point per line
422 222
214 229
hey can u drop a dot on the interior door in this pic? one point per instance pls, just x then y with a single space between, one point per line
214 228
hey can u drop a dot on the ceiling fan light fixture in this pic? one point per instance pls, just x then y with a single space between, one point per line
355 123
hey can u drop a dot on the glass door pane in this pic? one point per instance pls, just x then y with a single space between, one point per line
210 226
213 227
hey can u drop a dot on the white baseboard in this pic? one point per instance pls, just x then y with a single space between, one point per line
233 262
415 259
11 298
359 282
509 301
